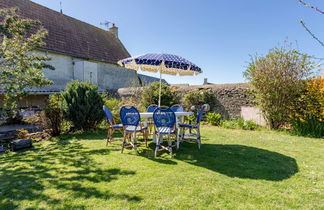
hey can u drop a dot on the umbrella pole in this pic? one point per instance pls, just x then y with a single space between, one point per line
160 88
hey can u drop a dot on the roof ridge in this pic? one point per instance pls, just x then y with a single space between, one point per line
71 36
67 16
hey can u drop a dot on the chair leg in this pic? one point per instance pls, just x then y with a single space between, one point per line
124 142
108 136
170 145
135 143
157 147
146 137
198 138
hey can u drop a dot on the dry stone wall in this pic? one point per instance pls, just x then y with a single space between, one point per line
230 97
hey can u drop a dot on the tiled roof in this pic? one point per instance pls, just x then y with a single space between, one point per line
70 36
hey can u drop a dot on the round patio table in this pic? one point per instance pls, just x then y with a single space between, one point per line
179 117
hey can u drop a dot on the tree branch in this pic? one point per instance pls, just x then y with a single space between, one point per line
311 6
313 35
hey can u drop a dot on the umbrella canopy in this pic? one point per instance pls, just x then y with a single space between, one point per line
163 63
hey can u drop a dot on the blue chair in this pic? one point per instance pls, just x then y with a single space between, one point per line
165 124
112 126
151 108
150 122
195 127
130 118
177 108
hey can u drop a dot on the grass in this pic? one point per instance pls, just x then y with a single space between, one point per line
234 169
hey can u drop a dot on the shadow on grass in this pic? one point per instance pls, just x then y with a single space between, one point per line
63 166
239 161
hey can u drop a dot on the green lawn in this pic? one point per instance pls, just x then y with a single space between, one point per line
234 169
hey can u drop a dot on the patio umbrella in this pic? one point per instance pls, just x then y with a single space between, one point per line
162 63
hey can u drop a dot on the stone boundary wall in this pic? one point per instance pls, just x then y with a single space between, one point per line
230 97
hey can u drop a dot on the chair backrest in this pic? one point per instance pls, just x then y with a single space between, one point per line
164 117
201 112
108 114
177 108
151 108
129 116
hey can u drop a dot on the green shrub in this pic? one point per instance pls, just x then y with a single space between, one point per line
82 105
190 118
54 114
230 124
198 98
250 125
113 105
213 118
150 95
13 116
239 123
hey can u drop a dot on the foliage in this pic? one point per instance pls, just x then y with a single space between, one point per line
12 116
239 123
21 67
252 170
214 118
198 98
307 113
113 105
82 105
150 95
21 133
277 79
54 114
249 125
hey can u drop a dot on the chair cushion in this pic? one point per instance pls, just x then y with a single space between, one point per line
165 130
138 128
117 126
188 126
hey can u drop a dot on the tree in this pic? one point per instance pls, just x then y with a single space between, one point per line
82 105
20 65
150 95
276 80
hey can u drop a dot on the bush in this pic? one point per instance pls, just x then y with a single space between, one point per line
239 124
276 80
198 98
150 95
113 105
249 125
307 113
21 133
13 116
213 118
54 114
82 105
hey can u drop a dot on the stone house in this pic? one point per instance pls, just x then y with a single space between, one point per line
79 51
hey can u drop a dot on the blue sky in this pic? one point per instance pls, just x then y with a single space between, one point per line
219 36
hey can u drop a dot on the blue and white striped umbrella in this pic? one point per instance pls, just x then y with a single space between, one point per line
163 63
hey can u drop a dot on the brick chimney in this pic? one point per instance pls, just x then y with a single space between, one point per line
114 30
